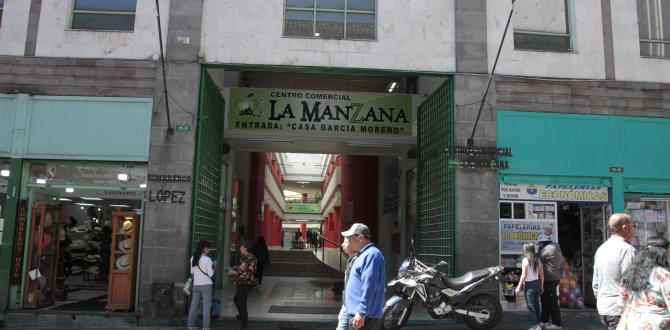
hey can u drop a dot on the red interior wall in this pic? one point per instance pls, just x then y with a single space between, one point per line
256 191
358 184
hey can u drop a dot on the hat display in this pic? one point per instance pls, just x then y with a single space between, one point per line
79 229
357 229
123 262
90 258
75 269
92 269
125 245
78 244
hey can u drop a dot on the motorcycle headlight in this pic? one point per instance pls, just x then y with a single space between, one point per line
403 268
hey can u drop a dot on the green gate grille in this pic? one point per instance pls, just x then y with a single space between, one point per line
205 223
435 183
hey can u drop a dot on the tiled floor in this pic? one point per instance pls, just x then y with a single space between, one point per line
290 291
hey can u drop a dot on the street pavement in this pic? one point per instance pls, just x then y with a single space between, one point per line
585 324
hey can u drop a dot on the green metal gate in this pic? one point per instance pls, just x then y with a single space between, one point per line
436 202
207 166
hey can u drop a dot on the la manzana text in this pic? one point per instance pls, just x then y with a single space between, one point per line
354 113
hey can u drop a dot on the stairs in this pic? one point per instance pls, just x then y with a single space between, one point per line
299 264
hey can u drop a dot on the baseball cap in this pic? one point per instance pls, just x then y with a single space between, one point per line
248 244
357 229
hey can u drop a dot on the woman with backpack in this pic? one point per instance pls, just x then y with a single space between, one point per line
202 272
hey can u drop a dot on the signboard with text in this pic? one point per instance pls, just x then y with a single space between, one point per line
316 112
303 207
515 233
554 192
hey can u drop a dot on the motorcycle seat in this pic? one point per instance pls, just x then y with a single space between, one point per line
462 281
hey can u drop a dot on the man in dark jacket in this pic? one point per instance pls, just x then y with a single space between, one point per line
551 257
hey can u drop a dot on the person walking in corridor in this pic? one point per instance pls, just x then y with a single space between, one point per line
364 287
531 282
551 257
245 277
343 317
613 259
202 272
262 258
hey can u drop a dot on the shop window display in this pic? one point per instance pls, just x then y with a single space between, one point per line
651 215
74 207
4 177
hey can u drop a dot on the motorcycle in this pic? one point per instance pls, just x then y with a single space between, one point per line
441 296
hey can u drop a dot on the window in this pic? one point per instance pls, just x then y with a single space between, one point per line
541 25
2 7
330 19
654 33
117 15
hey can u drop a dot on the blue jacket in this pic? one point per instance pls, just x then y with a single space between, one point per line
365 287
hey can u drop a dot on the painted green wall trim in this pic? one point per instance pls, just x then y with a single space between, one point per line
322 69
9 230
617 193
541 179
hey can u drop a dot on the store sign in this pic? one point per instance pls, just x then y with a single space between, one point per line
169 178
89 174
303 207
166 196
550 192
515 233
315 112
19 239
472 157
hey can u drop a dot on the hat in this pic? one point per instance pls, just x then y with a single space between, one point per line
248 244
122 262
127 226
90 258
125 245
357 229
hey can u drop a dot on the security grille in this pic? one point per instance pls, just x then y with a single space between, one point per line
208 165
435 189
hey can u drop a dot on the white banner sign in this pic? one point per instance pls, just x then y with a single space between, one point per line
554 192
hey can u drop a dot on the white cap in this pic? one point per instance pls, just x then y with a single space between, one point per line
357 229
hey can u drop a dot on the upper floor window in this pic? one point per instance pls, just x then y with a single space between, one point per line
2 7
335 19
541 25
654 33
117 15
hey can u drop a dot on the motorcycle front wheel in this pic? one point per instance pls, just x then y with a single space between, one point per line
396 316
483 304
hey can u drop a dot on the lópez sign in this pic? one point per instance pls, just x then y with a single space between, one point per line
309 112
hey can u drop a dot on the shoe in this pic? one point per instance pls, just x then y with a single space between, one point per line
552 326
544 324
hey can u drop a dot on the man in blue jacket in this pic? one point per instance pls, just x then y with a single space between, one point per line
364 289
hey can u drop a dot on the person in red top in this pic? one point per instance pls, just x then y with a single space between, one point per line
245 278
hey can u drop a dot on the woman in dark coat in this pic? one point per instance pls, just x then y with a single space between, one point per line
262 257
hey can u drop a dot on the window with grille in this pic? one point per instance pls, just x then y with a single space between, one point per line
654 33
541 25
330 19
117 15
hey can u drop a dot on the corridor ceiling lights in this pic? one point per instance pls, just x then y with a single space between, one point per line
69 190
91 198
4 173
41 181
64 199
119 205
144 185
85 204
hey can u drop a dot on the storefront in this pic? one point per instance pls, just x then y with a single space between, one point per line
81 175
568 174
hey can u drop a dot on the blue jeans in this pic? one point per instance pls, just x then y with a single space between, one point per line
532 292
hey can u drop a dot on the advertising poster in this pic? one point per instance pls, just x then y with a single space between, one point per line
515 233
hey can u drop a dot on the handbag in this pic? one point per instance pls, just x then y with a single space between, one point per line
188 286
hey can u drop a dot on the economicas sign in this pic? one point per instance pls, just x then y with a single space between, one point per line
316 112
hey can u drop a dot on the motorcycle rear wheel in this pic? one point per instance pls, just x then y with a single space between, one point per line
484 304
396 316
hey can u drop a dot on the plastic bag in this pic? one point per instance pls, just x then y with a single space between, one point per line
188 286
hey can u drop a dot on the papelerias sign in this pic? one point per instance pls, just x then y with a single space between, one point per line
315 112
